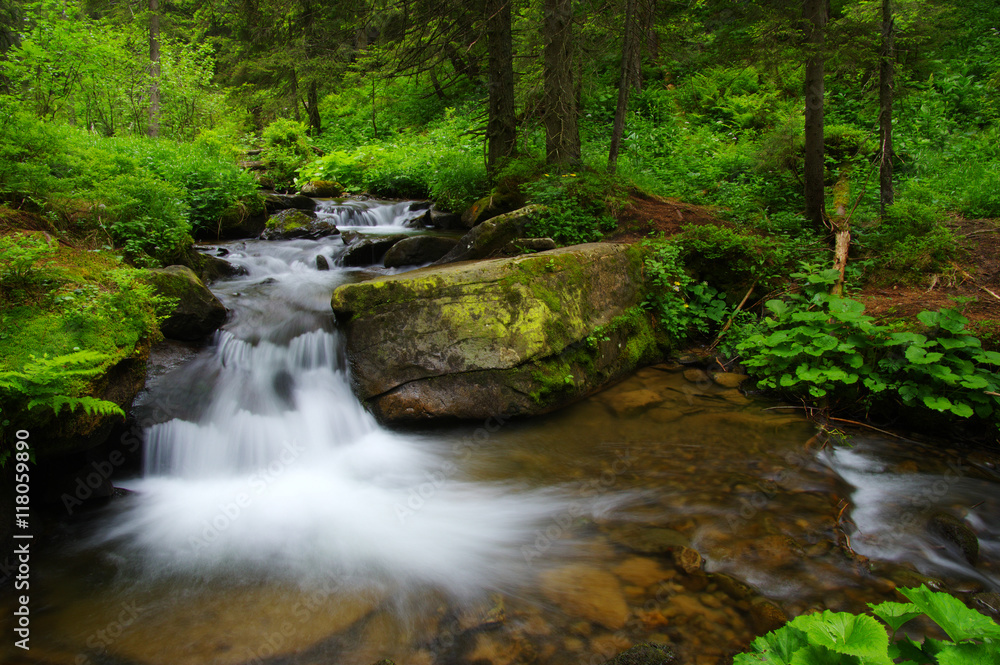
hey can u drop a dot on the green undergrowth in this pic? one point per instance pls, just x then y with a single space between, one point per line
140 195
696 279
66 315
824 350
842 638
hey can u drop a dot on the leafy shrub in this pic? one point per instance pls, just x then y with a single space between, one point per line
818 346
911 239
146 216
24 263
286 149
574 207
684 307
834 638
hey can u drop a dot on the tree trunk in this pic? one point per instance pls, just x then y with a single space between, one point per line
886 85
501 125
814 13
562 136
154 68
312 108
631 73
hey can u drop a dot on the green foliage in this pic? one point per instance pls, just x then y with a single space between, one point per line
818 346
24 263
910 240
443 162
684 307
46 382
838 638
286 150
575 207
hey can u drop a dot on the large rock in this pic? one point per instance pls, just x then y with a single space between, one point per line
294 223
417 250
322 189
197 312
516 336
273 202
492 236
369 250
489 207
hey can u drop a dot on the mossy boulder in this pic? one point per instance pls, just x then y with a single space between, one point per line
516 337
492 236
294 223
646 653
197 312
322 189
489 207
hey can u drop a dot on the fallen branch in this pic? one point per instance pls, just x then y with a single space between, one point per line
973 280
722 332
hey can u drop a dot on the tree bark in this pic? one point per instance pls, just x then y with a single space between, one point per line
153 129
501 125
814 13
886 85
631 72
562 135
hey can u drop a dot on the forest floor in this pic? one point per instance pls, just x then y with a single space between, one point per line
975 273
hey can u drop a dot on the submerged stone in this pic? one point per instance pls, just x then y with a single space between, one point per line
586 592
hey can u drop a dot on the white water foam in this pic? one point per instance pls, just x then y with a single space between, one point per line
284 470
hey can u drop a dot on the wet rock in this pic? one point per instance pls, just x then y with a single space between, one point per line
641 571
489 207
527 246
729 379
586 592
322 189
293 224
485 616
733 587
197 312
688 560
647 653
697 376
322 263
957 534
766 616
446 221
772 551
497 337
648 540
490 237
665 415
274 202
418 250
369 251
633 401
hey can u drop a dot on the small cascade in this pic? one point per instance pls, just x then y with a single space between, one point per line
350 213
271 444
893 507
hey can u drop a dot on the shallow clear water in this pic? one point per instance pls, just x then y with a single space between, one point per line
276 521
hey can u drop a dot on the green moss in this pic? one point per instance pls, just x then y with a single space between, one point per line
89 302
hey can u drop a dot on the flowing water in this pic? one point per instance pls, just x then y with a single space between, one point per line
276 522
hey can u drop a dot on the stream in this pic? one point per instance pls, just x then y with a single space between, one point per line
275 521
